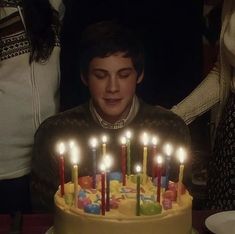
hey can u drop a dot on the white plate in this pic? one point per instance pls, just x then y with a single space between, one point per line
50 231
222 222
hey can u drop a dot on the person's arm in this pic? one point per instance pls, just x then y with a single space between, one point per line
44 175
59 6
201 99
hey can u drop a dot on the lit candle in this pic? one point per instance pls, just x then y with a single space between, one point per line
61 151
108 163
128 138
104 142
102 168
74 160
138 170
159 176
71 144
181 153
93 143
155 141
145 154
123 159
167 149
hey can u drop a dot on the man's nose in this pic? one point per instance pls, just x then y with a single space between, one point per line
112 84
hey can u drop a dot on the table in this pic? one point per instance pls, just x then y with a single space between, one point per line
40 223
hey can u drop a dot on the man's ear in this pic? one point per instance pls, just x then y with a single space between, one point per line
140 78
84 80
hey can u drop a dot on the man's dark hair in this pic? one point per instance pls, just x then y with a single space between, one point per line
107 38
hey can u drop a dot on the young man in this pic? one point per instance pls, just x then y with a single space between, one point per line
112 64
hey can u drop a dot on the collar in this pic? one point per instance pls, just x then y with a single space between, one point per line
10 3
120 123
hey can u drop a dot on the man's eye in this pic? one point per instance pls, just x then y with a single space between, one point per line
100 75
124 74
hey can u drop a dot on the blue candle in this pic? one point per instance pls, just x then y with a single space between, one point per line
94 159
168 149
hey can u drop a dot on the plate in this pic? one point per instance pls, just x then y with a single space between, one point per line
222 222
50 231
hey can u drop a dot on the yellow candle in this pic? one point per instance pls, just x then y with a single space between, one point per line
181 155
145 157
104 141
74 152
128 137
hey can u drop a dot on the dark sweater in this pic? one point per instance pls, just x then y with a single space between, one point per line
79 124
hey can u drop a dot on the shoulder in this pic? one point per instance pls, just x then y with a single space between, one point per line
164 122
159 113
69 119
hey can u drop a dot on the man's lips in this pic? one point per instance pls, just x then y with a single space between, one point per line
112 100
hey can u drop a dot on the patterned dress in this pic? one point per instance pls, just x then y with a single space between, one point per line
221 183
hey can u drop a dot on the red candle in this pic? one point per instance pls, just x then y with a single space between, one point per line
103 189
123 159
159 176
62 176
61 151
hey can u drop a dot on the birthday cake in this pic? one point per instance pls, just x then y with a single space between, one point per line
167 213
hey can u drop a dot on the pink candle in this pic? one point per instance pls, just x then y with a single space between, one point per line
159 176
123 159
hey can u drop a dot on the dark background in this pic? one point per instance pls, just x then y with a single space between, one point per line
180 46
171 32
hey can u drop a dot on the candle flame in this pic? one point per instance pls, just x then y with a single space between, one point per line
168 149
145 138
74 153
102 167
123 140
159 159
138 168
71 143
155 140
104 139
107 161
181 153
128 135
60 148
93 142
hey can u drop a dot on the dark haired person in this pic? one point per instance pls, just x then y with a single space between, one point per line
217 93
29 83
112 65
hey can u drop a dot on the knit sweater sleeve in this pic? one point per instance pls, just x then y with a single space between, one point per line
201 99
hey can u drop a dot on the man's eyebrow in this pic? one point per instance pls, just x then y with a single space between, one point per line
99 69
126 69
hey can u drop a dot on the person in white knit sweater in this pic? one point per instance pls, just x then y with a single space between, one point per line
29 85
217 93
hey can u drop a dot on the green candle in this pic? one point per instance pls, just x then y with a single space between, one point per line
128 137
138 169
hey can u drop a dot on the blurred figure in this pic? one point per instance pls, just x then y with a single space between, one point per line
217 92
29 85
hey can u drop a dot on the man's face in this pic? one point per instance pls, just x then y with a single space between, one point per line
112 82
